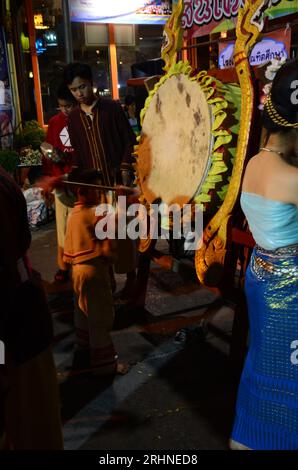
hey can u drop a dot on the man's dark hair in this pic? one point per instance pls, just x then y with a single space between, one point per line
63 93
77 69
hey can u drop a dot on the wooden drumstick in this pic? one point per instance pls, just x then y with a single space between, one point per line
89 185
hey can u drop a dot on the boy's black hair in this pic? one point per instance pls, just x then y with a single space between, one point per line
77 69
63 93
84 176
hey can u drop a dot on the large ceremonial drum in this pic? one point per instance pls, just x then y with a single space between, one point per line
189 137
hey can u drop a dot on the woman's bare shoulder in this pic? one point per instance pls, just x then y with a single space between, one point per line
284 182
252 173
271 177
256 163
291 182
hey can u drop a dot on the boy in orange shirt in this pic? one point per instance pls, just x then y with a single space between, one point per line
90 259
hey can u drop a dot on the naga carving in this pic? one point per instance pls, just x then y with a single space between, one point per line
215 238
213 249
172 37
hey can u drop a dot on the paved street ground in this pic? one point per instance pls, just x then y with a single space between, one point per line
179 392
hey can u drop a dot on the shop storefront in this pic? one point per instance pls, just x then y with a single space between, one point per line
209 32
109 36
113 36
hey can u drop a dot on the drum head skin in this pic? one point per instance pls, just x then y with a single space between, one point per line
176 142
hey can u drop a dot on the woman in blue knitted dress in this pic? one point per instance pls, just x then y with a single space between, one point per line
267 404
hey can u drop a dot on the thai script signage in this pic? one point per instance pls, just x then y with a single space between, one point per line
273 45
200 17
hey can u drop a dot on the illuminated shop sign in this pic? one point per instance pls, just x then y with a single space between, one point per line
50 38
120 11
40 46
38 22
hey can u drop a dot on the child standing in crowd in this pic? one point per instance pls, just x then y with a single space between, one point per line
58 137
90 259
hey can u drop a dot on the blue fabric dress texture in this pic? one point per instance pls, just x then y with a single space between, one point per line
267 402
272 223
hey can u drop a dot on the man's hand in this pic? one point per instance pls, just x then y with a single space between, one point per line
48 183
132 194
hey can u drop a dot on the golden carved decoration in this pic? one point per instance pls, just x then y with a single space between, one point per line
213 251
172 37
145 244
